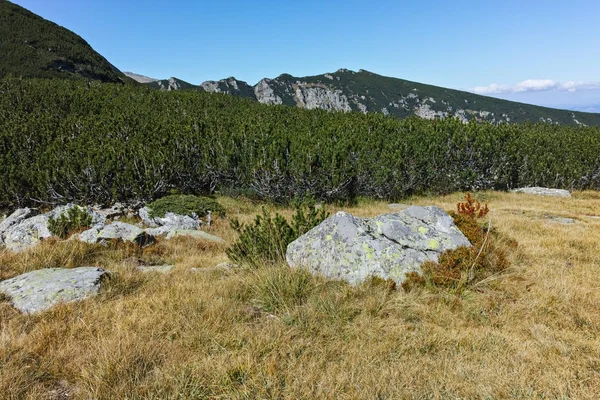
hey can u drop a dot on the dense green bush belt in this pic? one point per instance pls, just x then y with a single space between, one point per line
73 141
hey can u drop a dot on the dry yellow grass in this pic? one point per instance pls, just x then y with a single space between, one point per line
533 332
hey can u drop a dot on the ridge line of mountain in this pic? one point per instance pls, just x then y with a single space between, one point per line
364 91
33 47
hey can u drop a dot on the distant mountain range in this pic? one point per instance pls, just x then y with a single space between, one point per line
364 91
31 46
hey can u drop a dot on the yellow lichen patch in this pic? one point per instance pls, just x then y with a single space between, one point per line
433 244
369 251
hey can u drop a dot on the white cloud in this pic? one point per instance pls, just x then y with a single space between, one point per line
535 85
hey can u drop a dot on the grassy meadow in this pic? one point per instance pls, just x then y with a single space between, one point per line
276 333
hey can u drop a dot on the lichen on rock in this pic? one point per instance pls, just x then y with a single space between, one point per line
388 246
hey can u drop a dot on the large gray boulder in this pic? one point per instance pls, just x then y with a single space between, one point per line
388 246
168 223
542 191
21 231
119 231
42 289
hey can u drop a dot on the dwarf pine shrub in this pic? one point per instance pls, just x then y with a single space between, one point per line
266 239
185 205
74 219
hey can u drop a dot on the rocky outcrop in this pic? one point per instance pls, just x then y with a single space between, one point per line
229 86
542 191
320 96
42 289
21 231
388 246
169 84
265 94
24 229
170 222
13 219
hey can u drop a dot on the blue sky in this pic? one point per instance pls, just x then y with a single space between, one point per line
543 52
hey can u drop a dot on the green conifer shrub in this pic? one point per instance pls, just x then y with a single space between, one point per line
185 204
266 239
74 219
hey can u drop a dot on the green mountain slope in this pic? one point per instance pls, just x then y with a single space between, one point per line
31 46
366 92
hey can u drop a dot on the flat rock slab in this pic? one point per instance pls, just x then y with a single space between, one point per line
42 289
562 220
388 246
542 191
163 269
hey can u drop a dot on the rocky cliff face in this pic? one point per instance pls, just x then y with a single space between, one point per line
229 86
265 93
364 91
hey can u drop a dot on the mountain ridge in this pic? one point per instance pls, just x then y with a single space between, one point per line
33 47
364 91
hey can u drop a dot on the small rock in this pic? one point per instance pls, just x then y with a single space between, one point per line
89 236
113 212
144 214
163 269
562 220
227 265
195 234
42 289
27 233
542 191
126 233
170 222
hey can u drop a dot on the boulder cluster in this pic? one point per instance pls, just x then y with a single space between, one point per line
343 247
26 227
